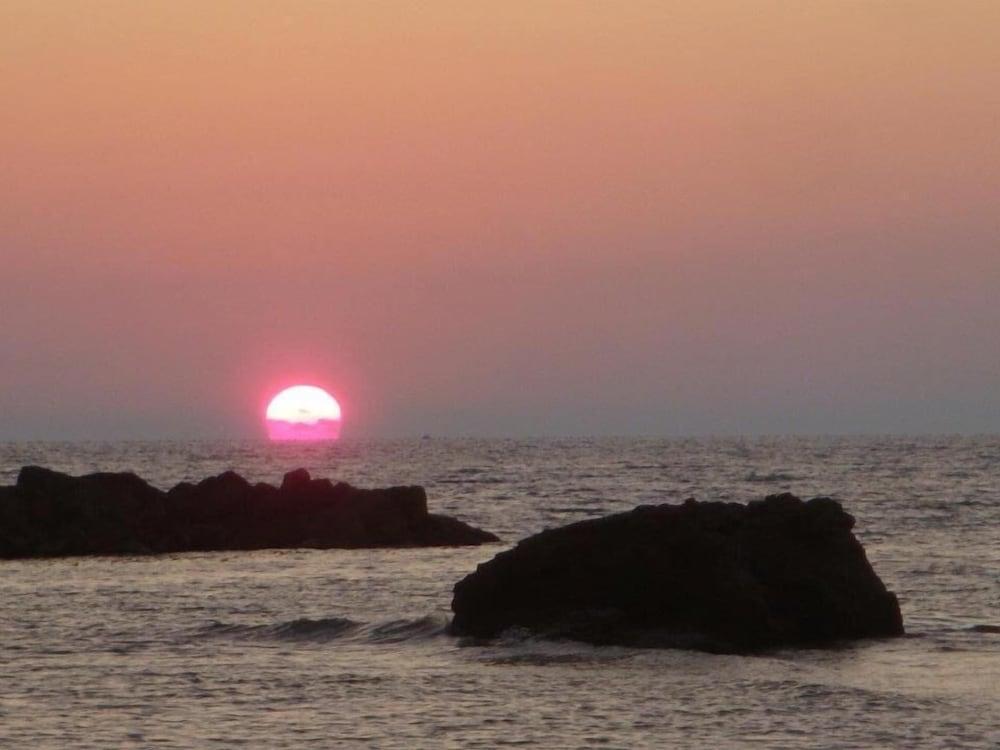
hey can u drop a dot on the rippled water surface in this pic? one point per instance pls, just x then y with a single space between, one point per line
287 649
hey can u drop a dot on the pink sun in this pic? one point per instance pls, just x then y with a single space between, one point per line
303 412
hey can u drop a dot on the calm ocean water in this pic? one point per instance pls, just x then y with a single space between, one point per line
289 649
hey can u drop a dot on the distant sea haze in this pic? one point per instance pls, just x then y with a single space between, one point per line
202 650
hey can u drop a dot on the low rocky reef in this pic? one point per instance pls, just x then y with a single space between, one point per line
48 514
719 577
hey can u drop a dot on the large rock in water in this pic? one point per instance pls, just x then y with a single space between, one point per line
719 577
48 513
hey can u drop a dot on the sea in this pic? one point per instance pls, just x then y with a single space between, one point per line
349 648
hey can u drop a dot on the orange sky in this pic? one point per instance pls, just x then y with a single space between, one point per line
500 218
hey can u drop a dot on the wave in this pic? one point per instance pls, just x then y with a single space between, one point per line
993 629
396 631
324 629
471 480
519 646
303 628
513 646
772 476
568 509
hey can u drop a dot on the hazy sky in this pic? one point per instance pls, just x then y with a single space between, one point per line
500 218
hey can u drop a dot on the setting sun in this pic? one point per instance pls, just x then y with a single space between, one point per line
303 412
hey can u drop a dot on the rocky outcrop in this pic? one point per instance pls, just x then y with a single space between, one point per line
719 577
48 513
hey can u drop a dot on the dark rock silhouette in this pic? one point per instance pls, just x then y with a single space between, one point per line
48 513
720 577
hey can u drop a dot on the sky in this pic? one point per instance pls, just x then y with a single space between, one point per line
500 218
